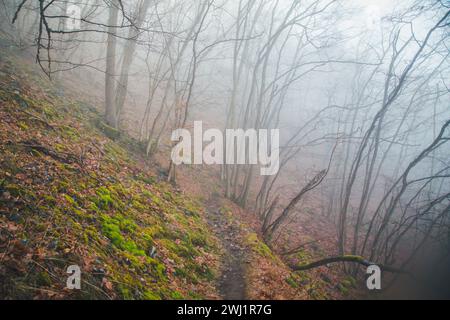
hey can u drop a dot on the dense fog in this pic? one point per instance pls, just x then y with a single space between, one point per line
359 91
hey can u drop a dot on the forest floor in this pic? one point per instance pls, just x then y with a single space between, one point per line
73 191
232 279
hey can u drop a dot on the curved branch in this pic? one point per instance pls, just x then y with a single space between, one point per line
347 258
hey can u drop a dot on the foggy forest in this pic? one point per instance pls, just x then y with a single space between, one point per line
224 149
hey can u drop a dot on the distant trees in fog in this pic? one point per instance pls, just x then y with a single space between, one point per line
382 132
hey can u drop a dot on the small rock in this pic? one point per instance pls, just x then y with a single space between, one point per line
152 252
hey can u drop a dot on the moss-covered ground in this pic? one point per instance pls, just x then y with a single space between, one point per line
74 191
70 193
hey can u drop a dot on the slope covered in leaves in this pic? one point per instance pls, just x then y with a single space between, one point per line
75 191
69 195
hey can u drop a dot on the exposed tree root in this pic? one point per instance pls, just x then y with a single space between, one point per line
59 156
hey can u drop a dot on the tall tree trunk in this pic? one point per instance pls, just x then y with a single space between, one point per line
110 103
128 55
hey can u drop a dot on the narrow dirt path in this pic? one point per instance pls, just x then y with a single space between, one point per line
232 280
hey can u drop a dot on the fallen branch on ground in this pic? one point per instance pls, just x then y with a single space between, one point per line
59 156
39 119
347 258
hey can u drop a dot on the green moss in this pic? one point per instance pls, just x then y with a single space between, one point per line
114 229
138 205
204 272
318 294
177 295
348 282
149 295
130 246
199 239
116 216
50 200
181 249
70 133
146 240
125 292
147 180
49 112
115 151
14 189
63 186
186 250
342 289
109 131
70 200
118 190
303 256
93 206
195 295
156 200
303 276
43 279
90 233
190 207
41 227
180 272
104 200
82 214
146 193
259 246
85 238
155 231
158 268
23 126
188 274
292 282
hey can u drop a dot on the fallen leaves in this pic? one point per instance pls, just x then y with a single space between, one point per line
106 284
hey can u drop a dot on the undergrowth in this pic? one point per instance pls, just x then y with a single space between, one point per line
70 194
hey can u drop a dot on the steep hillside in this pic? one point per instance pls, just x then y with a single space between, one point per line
74 191
71 195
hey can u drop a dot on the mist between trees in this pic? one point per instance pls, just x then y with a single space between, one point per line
359 91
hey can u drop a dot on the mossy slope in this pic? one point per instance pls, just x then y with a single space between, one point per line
69 194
